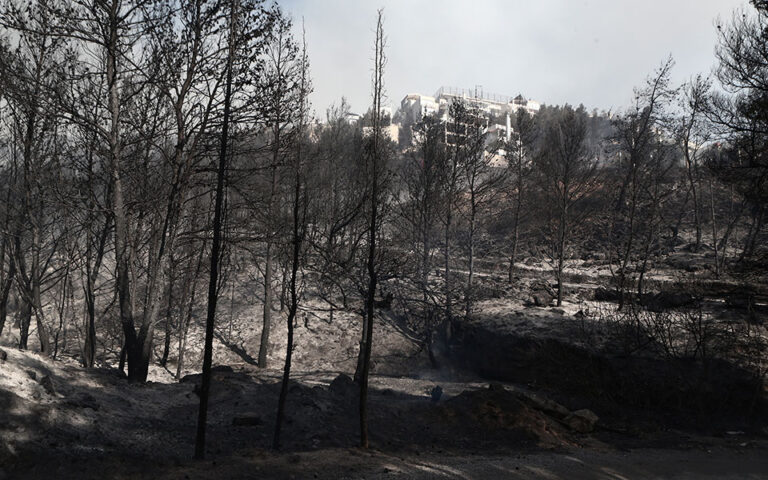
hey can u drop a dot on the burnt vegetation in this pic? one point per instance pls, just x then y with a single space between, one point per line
609 268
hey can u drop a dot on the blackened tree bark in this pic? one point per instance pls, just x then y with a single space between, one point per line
210 321
518 157
636 135
376 167
569 173
279 87
298 233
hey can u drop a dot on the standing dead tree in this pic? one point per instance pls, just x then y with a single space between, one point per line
637 135
456 133
519 164
33 72
279 89
299 202
338 230
692 137
569 175
375 158
218 213
739 115
420 207
482 181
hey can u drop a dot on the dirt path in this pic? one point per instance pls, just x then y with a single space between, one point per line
751 463
340 464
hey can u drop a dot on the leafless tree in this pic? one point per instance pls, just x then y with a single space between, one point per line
569 175
375 158
218 213
299 202
519 163
738 113
692 136
637 135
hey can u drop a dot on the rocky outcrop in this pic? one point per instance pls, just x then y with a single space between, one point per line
582 421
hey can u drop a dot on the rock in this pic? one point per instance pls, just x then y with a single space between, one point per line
3 355
582 421
545 405
342 385
606 295
667 300
496 387
541 298
47 385
247 421
436 393
32 374
191 378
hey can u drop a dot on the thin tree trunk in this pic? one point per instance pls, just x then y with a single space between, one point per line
168 315
628 250
7 279
470 275
561 245
373 230
132 348
293 306
5 292
518 208
25 319
267 314
215 250
757 225
190 311
692 184
268 293
714 227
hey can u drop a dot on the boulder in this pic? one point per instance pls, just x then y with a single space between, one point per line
541 298
667 300
582 421
542 295
342 385
3 355
606 295
544 405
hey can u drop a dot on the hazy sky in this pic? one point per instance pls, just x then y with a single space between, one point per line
554 51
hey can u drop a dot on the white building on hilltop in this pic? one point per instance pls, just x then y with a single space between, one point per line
414 106
490 103
497 109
